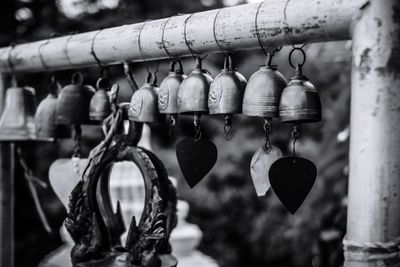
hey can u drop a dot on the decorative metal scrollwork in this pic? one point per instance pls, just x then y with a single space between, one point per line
94 226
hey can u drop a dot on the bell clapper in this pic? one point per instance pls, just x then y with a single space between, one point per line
171 124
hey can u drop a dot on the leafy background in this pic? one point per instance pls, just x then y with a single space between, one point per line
239 228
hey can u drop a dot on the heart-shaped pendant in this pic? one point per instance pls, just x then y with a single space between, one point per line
260 165
292 179
64 174
196 158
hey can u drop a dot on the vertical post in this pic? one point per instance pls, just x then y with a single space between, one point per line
7 163
373 224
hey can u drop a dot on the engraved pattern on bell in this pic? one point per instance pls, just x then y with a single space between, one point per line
163 96
215 96
136 105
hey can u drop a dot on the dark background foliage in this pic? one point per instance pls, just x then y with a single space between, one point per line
239 229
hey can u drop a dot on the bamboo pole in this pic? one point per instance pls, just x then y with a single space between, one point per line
373 226
279 23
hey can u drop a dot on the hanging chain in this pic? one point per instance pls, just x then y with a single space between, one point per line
77 141
295 134
267 130
30 178
228 128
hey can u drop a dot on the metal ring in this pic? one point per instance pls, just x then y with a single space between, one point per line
302 53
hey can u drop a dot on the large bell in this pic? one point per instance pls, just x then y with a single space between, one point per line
263 92
193 91
144 101
226 90
45 116
17 122
74 101
168 95
100 105
300 101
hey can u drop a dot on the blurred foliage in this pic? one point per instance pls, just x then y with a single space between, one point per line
239 229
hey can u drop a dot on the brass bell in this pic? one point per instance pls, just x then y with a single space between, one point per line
167 98
144 101
17 122
193 91
74 101
45 116
300 101
263 92
226 90
100 105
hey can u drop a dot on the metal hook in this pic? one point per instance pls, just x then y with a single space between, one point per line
162 38
268 54
215 34
129 76
103 69
66 50
141 52
267 129
187 42
41 56
11 65
295 134
228 128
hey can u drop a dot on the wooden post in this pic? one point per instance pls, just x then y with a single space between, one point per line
7 163
373 226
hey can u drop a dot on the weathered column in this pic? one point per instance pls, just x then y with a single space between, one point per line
373 226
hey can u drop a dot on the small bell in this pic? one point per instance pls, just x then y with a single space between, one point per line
193 91
45 116
263 92
226 90
74 101
143 106
100 105
168 96
17 122
300 101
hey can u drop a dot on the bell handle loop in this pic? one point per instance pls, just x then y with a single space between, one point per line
102 83
129 76
77 78
228 65
199 64
303 54
53 86
173 64
151 78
